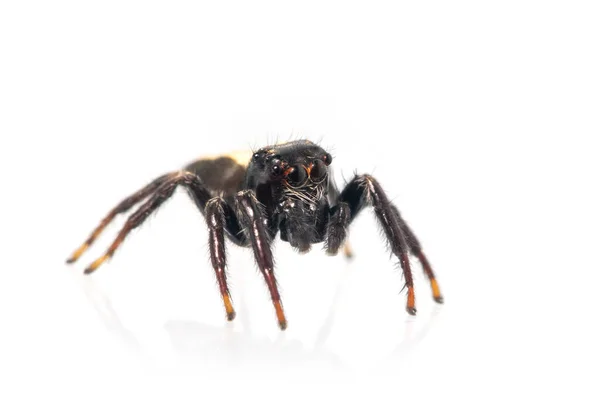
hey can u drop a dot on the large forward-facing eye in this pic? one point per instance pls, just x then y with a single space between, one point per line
318 170
276 167
296 175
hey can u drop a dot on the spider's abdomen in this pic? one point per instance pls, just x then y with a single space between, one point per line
222 174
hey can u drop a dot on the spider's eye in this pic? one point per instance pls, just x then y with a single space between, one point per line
297 175
318 170
277 170
327 158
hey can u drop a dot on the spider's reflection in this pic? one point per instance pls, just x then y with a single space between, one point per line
221 348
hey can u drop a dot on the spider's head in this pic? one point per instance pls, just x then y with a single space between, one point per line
292 179
298 169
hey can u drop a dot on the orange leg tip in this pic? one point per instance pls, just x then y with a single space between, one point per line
410 302
77 253
437 295
228 308
95 264
280 315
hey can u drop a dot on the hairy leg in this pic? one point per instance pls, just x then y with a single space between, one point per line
216 212
162 194
252 219
122 207
364 190
417 250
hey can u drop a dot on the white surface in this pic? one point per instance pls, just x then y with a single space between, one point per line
479 121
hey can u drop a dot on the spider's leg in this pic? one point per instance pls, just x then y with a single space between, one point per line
417 250
122 207
219 215
365 190
253 220
162 194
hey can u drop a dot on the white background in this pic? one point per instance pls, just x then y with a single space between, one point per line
479 120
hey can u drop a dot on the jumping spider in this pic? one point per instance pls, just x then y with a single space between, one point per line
285 188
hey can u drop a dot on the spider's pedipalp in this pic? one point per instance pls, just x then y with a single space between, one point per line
337 229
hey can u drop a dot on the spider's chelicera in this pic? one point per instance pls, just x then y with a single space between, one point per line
284 189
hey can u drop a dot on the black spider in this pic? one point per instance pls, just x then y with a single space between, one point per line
285 188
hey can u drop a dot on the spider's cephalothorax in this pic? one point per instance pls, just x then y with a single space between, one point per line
291 180
284 189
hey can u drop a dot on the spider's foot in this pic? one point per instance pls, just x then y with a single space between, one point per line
228 307
410 301
75 256
96 264
280 315
435 289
